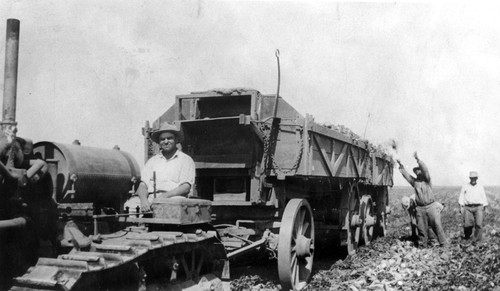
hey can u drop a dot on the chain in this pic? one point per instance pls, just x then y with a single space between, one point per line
270 142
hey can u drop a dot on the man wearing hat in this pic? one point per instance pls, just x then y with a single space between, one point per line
427 209
473 202
171 170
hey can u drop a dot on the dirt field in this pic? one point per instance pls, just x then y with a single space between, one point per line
393 263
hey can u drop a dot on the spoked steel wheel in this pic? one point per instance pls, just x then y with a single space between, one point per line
353 220
369 219
192 264
296 245
381 225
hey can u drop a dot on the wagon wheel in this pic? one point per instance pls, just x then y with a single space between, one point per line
296 245
369 219
192 264
353 221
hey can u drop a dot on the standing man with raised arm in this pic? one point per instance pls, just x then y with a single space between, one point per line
473 202
428 212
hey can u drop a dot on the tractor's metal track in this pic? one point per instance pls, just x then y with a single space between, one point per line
122 257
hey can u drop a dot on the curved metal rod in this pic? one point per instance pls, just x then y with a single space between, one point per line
275 110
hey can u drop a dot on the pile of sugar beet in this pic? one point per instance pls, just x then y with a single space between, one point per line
394 263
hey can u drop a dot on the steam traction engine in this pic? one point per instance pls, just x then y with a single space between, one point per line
98 247
279 181
62 225
101 248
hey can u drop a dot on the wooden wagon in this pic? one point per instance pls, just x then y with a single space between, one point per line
279 182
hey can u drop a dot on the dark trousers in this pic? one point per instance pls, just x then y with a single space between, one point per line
431 238
473 219
429 217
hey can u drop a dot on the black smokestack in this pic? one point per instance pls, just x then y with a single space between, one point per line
10 73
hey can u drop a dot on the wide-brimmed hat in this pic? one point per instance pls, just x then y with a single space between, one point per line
166 127
473 174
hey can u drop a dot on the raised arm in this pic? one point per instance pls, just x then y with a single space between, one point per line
405 174
423 168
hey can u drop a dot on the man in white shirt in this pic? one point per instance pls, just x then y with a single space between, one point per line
171 171
473 202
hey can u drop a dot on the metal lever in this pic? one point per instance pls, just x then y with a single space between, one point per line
154 184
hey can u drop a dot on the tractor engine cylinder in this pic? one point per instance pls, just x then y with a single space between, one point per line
82 174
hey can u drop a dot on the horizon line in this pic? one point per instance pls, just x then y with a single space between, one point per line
409 186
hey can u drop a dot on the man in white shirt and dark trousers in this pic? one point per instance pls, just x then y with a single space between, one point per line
473 202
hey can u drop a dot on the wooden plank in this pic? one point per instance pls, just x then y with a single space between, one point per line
330 133
343 152
354 162
324 156
362 161
381 176
348 165
359 164
336 135
307 155
209 165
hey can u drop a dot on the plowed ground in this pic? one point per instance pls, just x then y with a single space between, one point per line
393 263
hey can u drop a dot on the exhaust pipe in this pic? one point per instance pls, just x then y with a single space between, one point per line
10 75
8 125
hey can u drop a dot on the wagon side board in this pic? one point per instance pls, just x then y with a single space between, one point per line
313 150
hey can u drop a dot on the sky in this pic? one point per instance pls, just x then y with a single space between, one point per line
426 75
